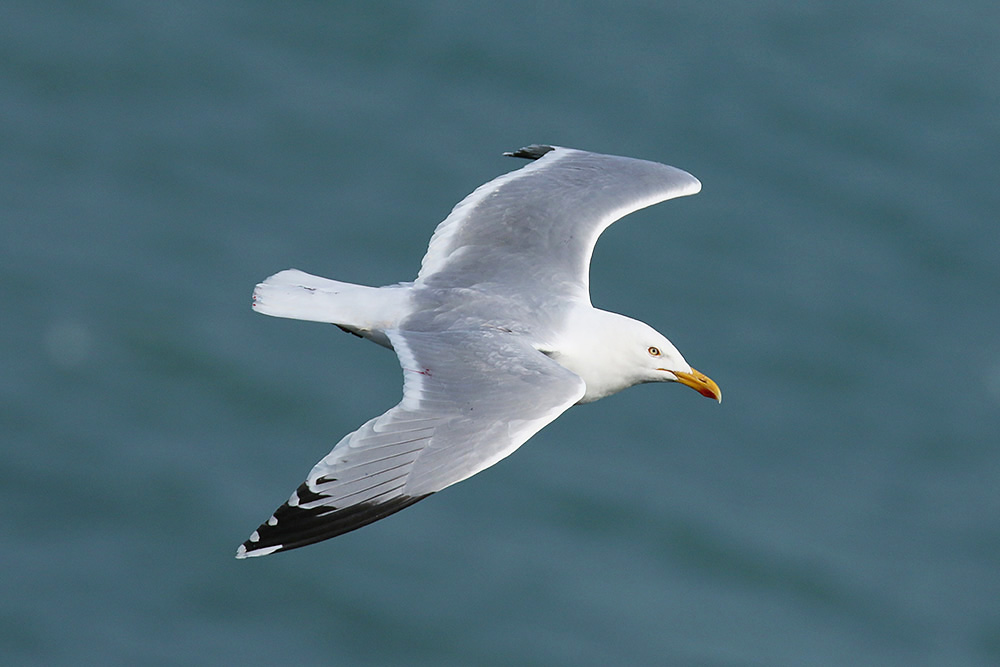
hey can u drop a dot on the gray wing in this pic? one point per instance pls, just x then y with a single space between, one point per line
538 225
469 400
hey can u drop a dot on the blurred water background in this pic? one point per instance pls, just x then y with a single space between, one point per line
838 276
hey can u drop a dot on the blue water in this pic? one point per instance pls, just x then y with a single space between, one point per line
838 276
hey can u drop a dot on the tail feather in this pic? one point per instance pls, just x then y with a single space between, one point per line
299 295
365 311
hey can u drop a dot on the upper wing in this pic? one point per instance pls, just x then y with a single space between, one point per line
469 400
539 224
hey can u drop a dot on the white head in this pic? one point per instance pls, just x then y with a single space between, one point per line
612 352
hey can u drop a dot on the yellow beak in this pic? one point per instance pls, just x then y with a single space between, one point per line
700 382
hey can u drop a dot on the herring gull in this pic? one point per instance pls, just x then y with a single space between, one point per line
496 337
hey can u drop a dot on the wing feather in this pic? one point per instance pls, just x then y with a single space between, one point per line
469 399
538 225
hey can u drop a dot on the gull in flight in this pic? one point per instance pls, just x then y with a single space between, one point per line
496 338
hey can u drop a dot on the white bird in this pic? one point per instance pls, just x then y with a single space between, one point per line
496 337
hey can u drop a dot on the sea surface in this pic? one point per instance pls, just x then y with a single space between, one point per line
839 276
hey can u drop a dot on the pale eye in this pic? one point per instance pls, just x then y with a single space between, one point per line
654 351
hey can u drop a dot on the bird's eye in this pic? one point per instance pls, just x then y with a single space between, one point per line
654 351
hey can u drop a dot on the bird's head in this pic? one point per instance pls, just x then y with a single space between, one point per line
665 364
612 352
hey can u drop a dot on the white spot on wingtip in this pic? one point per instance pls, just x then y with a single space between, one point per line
242 552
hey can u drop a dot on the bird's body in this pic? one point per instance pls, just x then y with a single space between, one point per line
496 337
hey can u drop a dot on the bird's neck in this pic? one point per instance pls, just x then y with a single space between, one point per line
590 348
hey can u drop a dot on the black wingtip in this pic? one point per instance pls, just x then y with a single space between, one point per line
292 527
532 152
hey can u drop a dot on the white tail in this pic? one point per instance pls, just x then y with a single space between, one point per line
299 295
